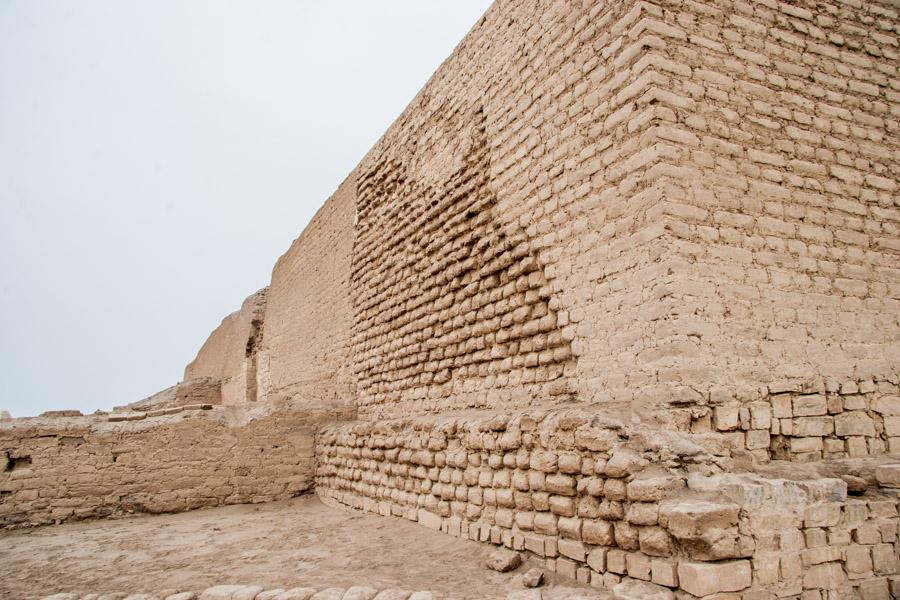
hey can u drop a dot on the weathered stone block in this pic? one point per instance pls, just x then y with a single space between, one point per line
638 565
429 520
624 463
231 592
826 576
664 572
808 406
887 405
888 475
596 559
641 590
598 532
356 593
858 562
615 561
702 579
653 489
654 541
727 418
812 426
822 514
885 560
642 513
572 549
854 423
689 520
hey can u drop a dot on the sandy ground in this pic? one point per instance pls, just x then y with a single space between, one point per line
300 542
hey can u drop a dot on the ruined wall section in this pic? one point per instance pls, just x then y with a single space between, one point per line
784 220
307 330
82 467
230 354
509 236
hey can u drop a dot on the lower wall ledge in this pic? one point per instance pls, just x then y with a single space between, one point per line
606 504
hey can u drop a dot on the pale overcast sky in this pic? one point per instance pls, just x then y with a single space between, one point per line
156 157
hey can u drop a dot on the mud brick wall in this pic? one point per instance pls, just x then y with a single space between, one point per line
81 467
306 336
602 502
782 201
230 354
659 207
507 234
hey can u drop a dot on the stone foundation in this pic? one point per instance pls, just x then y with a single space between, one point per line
80 467
604 502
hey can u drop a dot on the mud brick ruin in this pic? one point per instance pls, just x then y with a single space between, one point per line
620 289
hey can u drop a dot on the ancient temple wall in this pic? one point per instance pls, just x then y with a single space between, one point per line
714 235
662 208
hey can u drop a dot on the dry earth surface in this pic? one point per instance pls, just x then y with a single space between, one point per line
299 542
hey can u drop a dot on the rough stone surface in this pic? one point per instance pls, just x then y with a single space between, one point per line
503 561
296 594
888 475
702 579
641 590
230 592
532 578
360 593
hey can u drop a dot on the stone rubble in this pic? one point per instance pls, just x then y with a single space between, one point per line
532 578
503 561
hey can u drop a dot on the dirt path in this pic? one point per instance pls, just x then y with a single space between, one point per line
282 544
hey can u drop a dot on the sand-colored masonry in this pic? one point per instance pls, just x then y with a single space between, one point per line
619 288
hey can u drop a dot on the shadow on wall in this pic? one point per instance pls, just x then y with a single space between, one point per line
448 298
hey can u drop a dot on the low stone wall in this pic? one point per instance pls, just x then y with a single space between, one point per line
806 422
55 469
603 502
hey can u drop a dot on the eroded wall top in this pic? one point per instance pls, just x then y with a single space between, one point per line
229 355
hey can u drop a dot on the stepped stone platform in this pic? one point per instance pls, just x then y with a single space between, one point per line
618 291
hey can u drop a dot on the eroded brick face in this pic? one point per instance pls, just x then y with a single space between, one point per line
505 237
447 297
